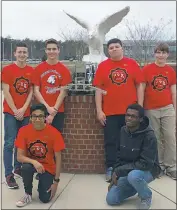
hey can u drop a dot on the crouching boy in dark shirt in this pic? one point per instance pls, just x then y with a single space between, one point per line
137 160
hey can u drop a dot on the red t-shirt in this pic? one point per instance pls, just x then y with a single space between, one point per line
41 145
119 79
158 82
48 78
19 81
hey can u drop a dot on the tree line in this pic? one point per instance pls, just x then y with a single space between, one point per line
139 42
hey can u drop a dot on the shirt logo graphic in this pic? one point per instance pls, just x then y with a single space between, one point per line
38 149
118 76
51 80
21 85
159 82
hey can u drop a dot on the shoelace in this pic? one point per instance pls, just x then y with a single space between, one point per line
25 198
12 179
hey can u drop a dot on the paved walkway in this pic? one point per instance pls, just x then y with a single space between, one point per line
82 191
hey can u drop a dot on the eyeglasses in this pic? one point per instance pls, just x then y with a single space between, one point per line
40 117
132 116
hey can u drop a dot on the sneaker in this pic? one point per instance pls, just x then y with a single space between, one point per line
162 173
26 199
172 174
11 183
109 174
17 172
145 203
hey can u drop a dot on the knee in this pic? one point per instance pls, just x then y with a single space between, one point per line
112 198
26 167
45 198
134 176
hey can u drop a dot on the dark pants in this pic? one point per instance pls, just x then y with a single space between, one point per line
45 182
11 128
58 121
112 137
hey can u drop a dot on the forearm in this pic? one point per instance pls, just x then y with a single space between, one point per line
140 93
9 100
58 165
59 101
24 159
98 100
28 100
40 98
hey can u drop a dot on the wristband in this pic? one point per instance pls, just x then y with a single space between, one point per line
56 180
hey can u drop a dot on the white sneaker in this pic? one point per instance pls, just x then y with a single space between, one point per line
24 200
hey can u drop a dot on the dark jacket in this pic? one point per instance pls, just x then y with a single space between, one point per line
137 150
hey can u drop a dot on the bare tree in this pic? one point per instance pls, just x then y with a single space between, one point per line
78 40
143 38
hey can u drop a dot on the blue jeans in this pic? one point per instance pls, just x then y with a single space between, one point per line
11 128
136 182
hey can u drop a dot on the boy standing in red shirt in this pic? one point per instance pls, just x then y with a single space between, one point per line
37 144
122 78
47 77
17 90
160 105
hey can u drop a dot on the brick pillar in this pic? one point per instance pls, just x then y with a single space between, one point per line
83 137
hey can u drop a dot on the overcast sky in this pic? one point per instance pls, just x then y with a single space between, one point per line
44 19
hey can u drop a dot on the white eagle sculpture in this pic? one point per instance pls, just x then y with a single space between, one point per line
96 34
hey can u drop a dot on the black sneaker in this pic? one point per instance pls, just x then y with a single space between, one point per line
162 173
11 183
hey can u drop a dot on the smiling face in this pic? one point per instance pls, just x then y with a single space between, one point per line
161 56
161 53
21 54
52 51
38 119
132 119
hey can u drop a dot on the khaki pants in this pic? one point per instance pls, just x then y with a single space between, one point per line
163 121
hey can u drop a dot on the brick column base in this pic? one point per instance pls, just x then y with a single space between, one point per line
83 137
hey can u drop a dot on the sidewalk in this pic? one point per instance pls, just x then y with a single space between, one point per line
79 191
82 191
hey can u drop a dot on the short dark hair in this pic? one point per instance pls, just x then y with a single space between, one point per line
51 41
113 41
38 107
20 44
164 47
138 108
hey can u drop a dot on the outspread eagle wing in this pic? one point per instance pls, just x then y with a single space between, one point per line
112 20
80 22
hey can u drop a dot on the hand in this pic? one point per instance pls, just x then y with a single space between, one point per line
39 167
19 114
53 189
101 117
110 185
113 181
114 178
49 119
51 111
